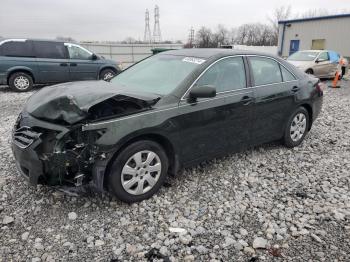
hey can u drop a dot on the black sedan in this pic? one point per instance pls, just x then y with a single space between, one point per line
169 111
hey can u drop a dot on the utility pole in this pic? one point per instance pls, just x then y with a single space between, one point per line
147 37
191 38
157 35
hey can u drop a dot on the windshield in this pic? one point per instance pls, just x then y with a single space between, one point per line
159 74
303 56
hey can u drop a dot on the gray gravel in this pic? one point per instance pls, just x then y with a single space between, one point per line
268 204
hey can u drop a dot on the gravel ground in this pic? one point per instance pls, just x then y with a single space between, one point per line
266 204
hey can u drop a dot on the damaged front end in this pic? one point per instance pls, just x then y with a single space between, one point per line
50 146
55 155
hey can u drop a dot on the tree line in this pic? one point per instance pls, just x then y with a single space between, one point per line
255 34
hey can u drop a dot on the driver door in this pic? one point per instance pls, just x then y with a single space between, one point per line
214 126
81 64
323 65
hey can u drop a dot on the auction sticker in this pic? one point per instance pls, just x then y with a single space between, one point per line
194 60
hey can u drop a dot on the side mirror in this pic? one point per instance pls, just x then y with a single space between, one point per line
202 92
94 57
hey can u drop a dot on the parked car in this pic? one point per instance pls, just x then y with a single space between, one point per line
169 111
320 63
24 63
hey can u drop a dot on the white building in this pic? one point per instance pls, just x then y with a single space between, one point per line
326 32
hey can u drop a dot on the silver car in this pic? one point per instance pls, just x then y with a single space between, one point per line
321 63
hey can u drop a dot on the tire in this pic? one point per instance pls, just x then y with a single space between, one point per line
309 72
292 137
129 181
21 82
107 74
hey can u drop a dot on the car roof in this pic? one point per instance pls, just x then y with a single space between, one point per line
31 39
211 52
316 51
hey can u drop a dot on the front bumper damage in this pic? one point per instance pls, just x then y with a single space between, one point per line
47 153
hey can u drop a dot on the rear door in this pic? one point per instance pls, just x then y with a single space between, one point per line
81 64
17 54
274 92
52 62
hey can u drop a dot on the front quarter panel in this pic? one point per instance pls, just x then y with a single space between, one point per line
120 130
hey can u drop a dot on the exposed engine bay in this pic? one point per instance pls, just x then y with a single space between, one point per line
117 106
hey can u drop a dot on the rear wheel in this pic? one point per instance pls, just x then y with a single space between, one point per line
107 74
21 82
138 172
297 127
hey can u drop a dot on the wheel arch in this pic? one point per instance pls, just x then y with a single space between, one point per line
311 70
163 141
310 112
107 67
20 70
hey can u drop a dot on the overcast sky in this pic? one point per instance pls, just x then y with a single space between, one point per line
116 19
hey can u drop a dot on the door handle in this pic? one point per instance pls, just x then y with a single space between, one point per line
63 64
246 100
295 89
73 64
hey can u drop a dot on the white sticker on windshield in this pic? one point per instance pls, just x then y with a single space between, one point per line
194 60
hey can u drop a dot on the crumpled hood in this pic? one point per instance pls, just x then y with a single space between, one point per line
70 102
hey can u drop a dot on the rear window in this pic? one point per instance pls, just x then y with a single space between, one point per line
16 49
52 50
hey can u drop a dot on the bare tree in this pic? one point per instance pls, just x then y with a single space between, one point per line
221 36
204 37
242 33
255 34
279 14
233 34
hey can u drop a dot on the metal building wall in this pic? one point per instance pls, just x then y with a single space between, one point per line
334 30
127 54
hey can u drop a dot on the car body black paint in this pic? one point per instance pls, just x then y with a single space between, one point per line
195 131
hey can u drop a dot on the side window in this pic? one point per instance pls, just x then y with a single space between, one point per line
227 74
76 52
54 50
324 56
265 71
287 76
16 48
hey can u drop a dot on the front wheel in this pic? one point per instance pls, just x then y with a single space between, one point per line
107 74
297 128
138 172
309 72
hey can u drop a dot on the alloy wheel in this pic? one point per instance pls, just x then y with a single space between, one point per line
141 172
108 76
21 82
298 127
